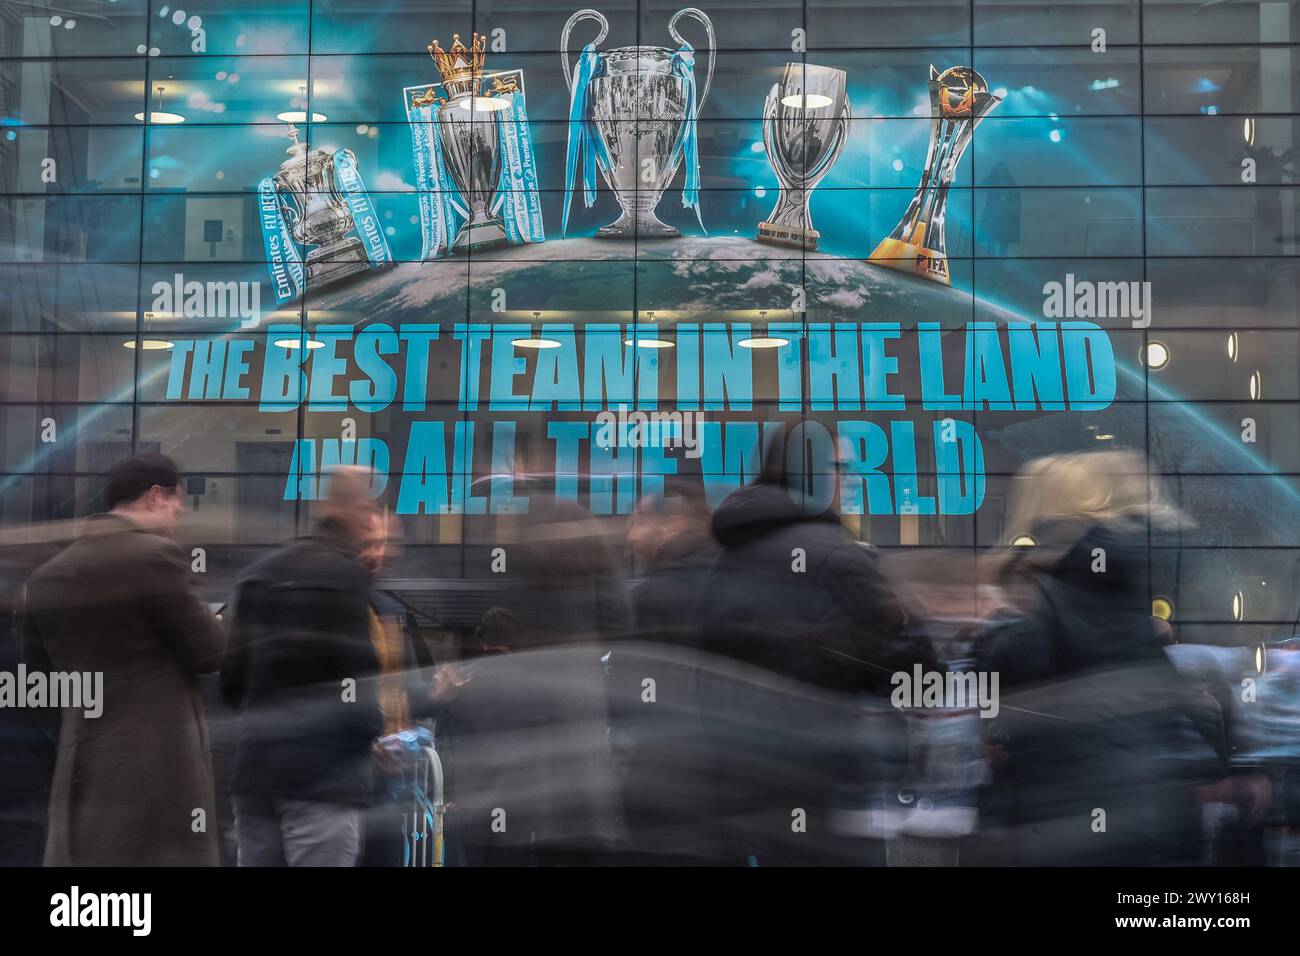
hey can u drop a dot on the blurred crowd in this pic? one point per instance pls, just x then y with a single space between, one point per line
710 687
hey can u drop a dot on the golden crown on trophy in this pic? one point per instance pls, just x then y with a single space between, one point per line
460 66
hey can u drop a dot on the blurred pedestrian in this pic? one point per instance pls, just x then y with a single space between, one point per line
133 786
1099 758
659 748
805 610
402 689
300 668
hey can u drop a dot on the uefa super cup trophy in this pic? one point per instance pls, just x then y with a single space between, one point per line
317 214
632 113
959 101
805 125
471 137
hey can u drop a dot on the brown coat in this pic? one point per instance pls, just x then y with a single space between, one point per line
126 784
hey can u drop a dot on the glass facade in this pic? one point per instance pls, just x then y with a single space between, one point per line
1141 151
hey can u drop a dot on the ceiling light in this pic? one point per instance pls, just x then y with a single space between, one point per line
160 116
484 104
300 116
808 101
534 339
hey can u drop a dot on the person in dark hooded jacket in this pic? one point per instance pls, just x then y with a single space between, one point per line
654 728
804 625
1097 756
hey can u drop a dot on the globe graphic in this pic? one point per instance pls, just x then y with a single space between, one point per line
717 279
695 275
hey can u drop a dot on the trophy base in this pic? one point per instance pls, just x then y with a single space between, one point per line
478 236
796 236
911 258
646 225
330 264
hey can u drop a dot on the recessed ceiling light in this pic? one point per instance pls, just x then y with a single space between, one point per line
1157 355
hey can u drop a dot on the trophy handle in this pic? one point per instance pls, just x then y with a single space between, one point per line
703 18
564 38
331 181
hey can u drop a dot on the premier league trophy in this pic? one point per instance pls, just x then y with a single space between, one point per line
317 199
959 101
474 159
633 113
805 125
471 138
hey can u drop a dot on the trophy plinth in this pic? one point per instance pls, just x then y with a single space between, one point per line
912 257
959 101
487 233
795 236
805 126
337 261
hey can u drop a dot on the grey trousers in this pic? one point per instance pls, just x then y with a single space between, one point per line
280 831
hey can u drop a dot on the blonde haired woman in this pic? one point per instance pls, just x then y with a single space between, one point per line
1093 739
1114 488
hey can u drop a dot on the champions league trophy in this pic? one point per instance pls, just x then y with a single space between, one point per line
317 198
959 100
805 125
632 113
474 158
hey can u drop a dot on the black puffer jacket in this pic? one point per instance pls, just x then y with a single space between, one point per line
301 628
1093 715
807 630
794 593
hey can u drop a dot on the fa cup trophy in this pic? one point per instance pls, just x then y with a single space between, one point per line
632 112
805 125
317 199
959 101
